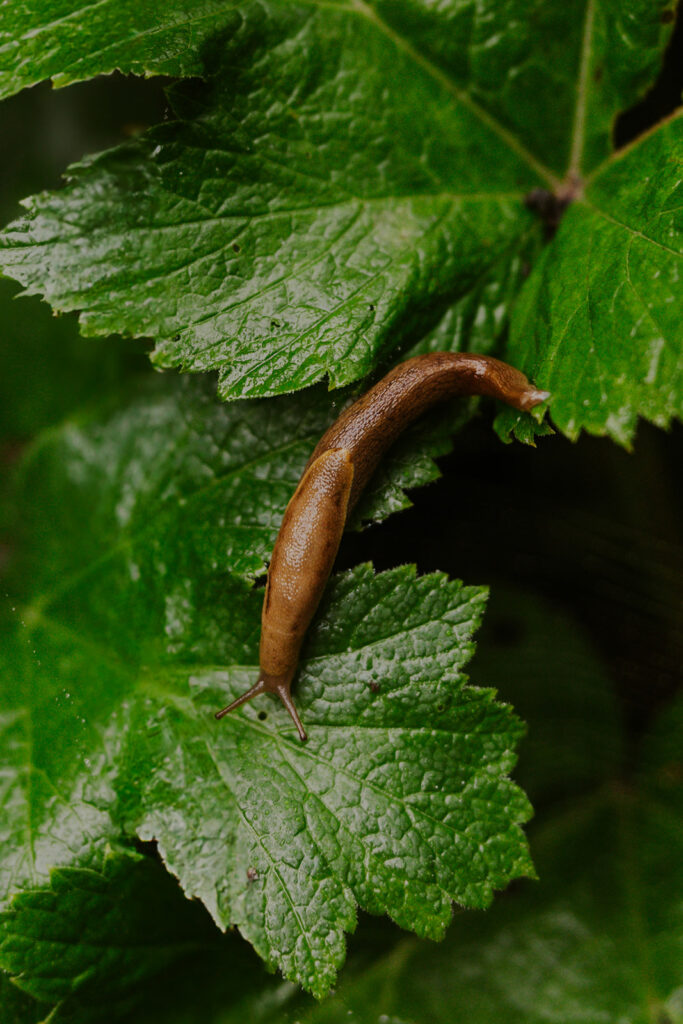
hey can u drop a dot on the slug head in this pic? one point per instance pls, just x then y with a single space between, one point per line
279 685
531 397
512 386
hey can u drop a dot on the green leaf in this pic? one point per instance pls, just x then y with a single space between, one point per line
134 628
306 218
598 323
172 449
281 234
503 58
209 976
15 1006
124 937
554 76
69 42
96 938
478 321
46 367
599 939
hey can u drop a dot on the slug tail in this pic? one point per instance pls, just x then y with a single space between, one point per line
258 688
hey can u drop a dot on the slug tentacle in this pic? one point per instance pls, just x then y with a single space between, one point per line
279 685
257 689
339 468
532 398
285 696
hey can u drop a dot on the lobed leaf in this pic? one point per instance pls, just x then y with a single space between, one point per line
599 938
132 625
599 320
95 938
503 58
277 233
69 42
305 218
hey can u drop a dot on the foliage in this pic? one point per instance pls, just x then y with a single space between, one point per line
598 938
338 185
138 622
303 217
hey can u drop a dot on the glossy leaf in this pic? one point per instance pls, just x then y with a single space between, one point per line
46 368
172 447
68 41
553 76
599 320
96 938
294 226
123 942
271 242
600 938
125 938
131 625
503 57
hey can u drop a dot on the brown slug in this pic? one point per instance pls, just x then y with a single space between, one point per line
336 473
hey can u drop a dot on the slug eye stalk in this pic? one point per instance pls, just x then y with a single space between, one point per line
282 690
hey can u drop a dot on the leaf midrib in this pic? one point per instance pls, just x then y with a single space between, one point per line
579 127
414 812
303 931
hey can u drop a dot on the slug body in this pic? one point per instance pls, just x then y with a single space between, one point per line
339 468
